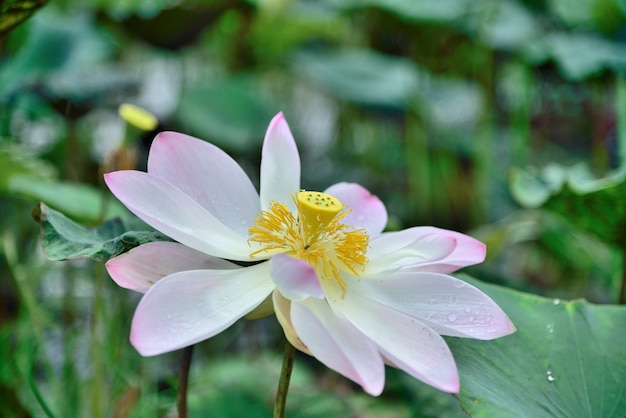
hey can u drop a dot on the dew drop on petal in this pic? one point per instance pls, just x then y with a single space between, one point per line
459 284
452 317
468 309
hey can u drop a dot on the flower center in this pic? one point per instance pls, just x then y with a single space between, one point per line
315 234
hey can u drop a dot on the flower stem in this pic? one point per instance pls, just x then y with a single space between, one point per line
283 383
183 379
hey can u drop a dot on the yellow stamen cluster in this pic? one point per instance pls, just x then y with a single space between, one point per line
317 235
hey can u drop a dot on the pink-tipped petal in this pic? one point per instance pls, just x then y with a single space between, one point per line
145 265
208 175
468 251
191 306
414 243
335 342
406 249
446 304
280 165
294 278
409 345
367 211
169 210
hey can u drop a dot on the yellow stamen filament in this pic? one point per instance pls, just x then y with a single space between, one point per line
317 235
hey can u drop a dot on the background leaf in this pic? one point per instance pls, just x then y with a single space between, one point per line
593 204
64 239
230 112
567 359
14 12
79 201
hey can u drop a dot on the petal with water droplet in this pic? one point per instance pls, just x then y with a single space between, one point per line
419 294
187 307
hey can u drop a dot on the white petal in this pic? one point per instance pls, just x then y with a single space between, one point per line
338 344
409 344
169 210
143 266
191 306
408 248
208 175
446 304
280 165
294 278
282 308
366 210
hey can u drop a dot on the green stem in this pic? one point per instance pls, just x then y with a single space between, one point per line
183 381
283 383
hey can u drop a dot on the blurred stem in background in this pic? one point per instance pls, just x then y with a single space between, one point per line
418 167
36 319
620 110
483 149
521 106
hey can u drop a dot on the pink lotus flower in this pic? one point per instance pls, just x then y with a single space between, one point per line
345 292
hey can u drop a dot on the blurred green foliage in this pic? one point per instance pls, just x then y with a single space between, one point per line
503 118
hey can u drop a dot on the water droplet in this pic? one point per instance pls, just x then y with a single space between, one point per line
550 376
550 328
459 284
468 309
556 301
471 319
452 317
